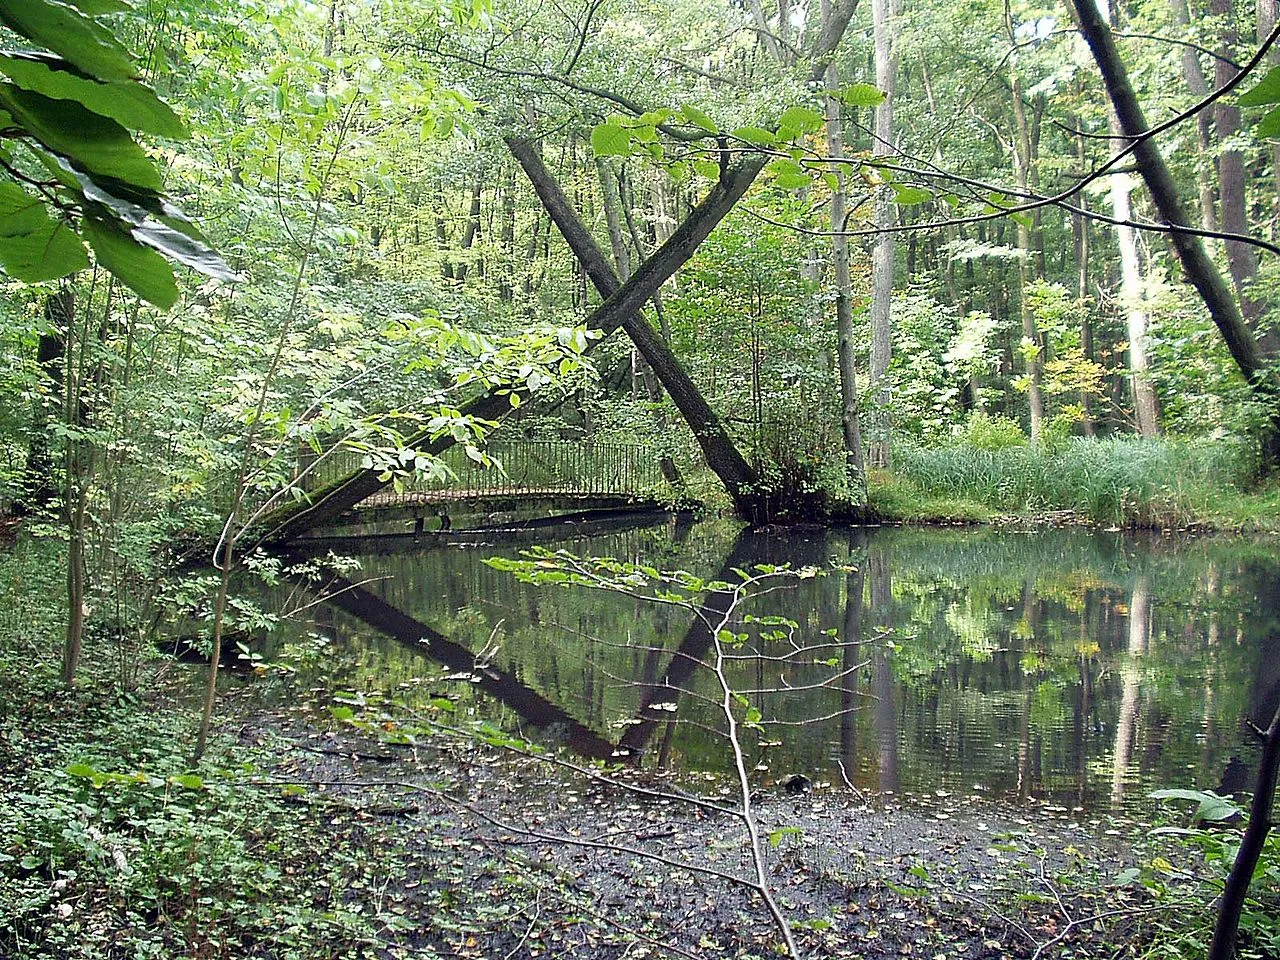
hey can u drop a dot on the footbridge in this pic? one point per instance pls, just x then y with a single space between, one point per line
543 475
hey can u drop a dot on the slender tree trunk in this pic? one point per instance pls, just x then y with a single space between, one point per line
1132 294
39 488
847 359
76 468
1025 175
1241 258
884 28
1198 87
1252 844
1267 11
1080 237
471 233
507 237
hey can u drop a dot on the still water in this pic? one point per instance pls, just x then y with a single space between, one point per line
1077 666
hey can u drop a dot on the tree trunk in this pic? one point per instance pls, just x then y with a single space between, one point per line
39 488
1025 175
471 233
1241 258
846 359
1197 266
1267 11
1080 237
721 454
883 13
1132 294
1198 86
1251 845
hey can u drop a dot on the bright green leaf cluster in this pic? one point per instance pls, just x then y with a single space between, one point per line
74 111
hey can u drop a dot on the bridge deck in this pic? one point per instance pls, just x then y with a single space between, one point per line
412 504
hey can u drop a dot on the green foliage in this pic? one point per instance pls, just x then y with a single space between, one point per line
1215 834
984 431
75 111
111 836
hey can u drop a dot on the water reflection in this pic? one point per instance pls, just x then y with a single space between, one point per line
1078 666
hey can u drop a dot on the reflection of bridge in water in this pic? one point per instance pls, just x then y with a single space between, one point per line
546 475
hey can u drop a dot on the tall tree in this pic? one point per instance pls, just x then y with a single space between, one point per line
884 27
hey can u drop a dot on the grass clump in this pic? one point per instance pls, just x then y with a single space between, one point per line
1118 481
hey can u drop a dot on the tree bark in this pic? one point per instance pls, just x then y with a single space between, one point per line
1198 87
883 13
1132 295
847 363
1197 266
1242 261
1027 179
472 231
1251 845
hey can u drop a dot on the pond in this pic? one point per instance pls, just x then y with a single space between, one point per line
1080 667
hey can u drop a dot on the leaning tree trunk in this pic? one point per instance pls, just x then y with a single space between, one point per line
1199 269
1251 845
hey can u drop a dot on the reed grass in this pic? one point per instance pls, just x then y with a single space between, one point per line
1118 481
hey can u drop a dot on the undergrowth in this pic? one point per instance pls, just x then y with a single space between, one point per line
112 845
1120 481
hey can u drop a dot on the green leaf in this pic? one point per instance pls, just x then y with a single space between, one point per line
698 118
144 271
188 780
799 120
126 101
66 31
96 8
707 168
1210 805
756 136
1266 91
861 95
609 139
789 175
95 144
33 245
1268 127
907 196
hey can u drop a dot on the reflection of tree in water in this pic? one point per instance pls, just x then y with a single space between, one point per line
1002 660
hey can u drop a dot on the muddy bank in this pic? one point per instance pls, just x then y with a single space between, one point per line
502 855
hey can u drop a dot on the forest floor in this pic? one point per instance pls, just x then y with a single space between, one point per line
501 855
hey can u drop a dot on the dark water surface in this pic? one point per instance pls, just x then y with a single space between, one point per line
1077 666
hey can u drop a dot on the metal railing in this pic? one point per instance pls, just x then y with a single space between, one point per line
527 467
